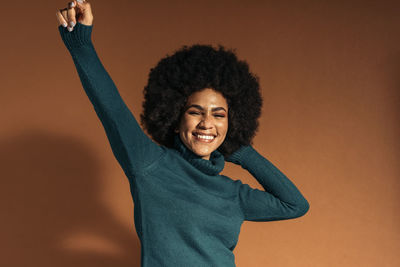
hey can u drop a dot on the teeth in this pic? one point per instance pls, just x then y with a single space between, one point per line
208 137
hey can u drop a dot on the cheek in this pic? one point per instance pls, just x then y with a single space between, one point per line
223 127
187 124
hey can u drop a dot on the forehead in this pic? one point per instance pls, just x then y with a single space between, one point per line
207 98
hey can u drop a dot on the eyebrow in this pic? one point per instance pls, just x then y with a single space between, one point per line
201 108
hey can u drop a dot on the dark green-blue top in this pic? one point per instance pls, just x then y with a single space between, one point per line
185 212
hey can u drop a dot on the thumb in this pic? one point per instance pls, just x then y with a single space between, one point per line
84 12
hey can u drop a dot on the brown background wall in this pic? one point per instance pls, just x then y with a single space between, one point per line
329 72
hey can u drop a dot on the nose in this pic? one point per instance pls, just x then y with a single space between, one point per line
206 122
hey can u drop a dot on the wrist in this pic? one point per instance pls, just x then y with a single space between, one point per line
80 36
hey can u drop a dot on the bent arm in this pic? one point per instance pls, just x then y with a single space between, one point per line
130 145
281 199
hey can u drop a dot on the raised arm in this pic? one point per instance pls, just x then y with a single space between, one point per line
130 145
281 199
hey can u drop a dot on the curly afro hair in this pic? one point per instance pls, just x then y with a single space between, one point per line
191 69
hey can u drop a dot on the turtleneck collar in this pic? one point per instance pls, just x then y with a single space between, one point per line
210 167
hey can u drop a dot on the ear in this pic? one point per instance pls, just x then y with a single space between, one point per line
176 130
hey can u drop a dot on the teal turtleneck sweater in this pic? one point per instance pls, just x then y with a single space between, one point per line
185 212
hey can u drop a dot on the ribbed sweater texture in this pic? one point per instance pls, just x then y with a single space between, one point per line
186 213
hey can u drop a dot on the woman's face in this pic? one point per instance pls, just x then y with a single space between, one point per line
204 123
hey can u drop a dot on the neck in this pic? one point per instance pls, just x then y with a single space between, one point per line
211 165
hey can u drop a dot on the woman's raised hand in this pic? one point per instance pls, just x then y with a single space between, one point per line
76 11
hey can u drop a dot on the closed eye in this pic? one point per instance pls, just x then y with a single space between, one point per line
193 112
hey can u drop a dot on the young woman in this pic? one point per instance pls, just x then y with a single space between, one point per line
201 109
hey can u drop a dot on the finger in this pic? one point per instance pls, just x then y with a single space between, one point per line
71 15
84 12
61 19
79 9
64 14
82 4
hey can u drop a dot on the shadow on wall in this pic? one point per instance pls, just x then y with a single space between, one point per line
51 209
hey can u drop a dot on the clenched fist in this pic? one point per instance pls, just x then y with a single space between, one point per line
76 11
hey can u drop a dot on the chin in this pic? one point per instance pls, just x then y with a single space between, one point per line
204 152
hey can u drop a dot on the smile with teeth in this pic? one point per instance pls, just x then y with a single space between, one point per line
204 138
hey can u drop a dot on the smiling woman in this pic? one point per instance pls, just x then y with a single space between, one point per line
176 80
201 106
204 124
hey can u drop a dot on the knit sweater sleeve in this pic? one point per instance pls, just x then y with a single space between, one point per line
130 145
281 199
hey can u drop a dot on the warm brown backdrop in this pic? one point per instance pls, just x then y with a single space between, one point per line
329 74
